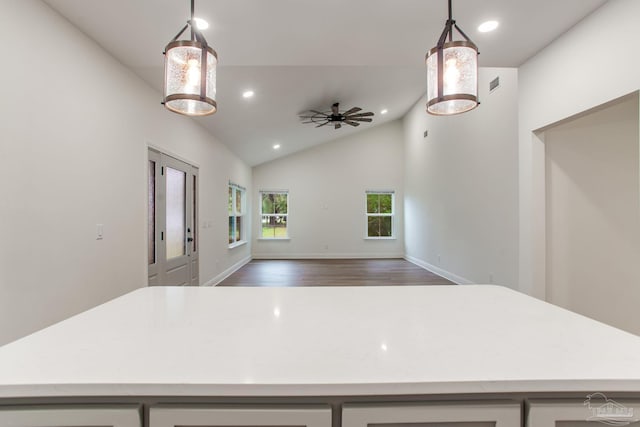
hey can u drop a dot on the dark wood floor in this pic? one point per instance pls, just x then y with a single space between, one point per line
334 272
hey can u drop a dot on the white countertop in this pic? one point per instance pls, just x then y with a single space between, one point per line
319 342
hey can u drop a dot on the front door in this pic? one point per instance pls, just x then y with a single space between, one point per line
172 220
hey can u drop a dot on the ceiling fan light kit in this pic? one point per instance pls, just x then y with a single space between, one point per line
452 73
352 117
190 73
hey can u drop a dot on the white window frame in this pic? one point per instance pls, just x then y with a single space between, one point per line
287 237
234 214
392 215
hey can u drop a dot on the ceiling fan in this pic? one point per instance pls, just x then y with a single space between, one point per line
351 117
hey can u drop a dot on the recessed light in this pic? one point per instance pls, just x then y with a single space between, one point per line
485 27
248 94
276 146
201 23
385 111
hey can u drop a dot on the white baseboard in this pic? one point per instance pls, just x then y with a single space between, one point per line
439 271
228 272
325 255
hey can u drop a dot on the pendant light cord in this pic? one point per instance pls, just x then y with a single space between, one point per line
192 22
450 21
448 29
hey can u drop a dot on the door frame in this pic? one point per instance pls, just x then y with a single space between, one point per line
157 271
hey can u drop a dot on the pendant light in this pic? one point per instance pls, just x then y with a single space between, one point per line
190 73
452 73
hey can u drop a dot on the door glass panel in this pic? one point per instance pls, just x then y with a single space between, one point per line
151 201
176 230
194 222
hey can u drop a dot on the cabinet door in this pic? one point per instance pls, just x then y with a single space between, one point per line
452 414
194 416
31 416
583 413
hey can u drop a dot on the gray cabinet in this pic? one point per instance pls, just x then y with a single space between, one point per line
467 414
33 416
583 413
246 416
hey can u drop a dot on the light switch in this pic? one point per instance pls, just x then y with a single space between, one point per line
99 231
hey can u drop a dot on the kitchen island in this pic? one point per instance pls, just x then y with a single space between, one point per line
167 356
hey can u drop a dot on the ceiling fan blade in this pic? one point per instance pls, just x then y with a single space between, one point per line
352 123
361 114
360 119
334 108
338 126
323 124
352 111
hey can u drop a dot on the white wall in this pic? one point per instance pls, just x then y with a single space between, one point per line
461 195
593 215
588 66
74 130
327 187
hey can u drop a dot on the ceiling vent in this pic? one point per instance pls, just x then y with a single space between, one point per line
494 84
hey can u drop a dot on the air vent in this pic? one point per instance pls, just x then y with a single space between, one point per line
494 84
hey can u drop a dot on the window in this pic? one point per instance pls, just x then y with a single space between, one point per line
274 212
380 212
236 214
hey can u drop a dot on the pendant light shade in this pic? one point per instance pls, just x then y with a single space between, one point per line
190 74
452 73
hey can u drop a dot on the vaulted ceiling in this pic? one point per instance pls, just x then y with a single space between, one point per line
306 54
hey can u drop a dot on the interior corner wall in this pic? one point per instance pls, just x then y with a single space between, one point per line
590 65
74 134
593 215
327 201
461 200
